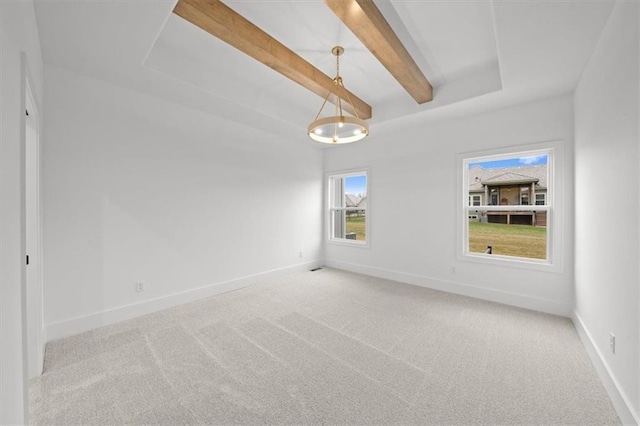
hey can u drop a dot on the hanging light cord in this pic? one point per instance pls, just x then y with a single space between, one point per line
337 81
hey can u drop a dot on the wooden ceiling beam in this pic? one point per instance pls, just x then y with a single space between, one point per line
366 22
219 20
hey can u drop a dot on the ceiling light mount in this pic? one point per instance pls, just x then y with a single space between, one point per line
338 128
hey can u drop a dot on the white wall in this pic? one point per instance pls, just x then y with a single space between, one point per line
607 202
18 34
412 204
140 189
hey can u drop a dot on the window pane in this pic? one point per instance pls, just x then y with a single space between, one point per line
337 191
508 240
494 197
348 199
338 224
356 185
508 181
524 196
356 225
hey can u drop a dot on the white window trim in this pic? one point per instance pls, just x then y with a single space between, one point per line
544 196
471 200
555 211
328 208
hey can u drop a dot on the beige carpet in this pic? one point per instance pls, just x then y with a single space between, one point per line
325 347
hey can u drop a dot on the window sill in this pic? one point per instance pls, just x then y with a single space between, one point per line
511 262
348 243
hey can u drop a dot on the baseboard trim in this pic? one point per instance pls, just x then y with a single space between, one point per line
620 401
506 298
84 323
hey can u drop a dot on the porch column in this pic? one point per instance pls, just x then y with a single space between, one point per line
533 193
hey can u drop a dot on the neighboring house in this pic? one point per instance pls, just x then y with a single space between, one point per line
362 204
524 185
352 200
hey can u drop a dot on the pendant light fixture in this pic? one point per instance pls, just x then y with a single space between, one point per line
338 128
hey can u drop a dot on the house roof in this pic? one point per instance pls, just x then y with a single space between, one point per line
363 203
351 200
509 178
479 176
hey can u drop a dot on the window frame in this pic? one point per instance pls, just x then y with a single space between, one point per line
330 209
472 201
554 261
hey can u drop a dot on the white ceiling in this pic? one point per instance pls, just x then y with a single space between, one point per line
478 54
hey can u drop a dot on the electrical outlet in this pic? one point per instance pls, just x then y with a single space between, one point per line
139 286
612 342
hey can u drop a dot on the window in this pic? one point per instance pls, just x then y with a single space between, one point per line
509 226
348 207
524 196
494 197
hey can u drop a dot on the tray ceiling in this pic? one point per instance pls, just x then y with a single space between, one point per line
478 55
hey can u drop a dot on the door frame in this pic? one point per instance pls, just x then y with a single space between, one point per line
34 338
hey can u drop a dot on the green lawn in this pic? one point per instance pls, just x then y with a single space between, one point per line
357 225
509 240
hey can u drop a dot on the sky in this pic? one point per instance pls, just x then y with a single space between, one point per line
512 162
355 185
